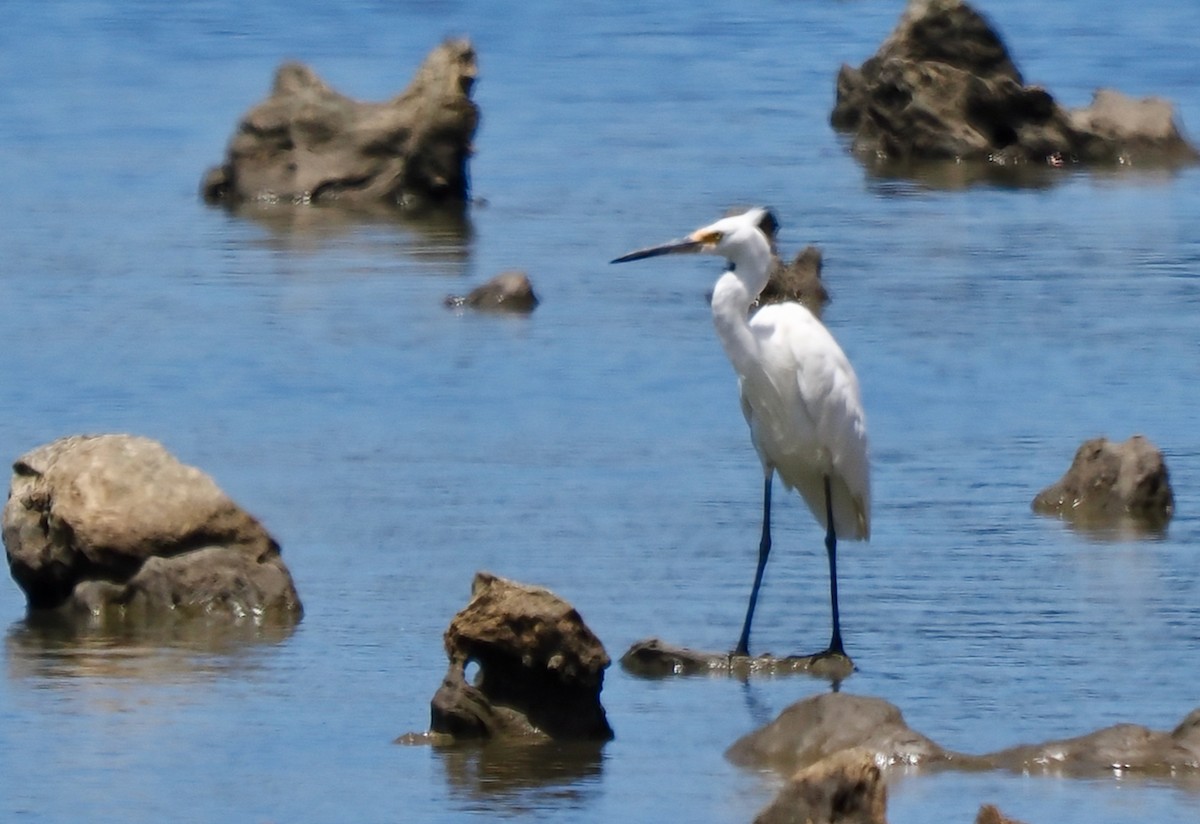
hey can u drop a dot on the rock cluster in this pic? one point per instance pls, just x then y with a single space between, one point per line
943 86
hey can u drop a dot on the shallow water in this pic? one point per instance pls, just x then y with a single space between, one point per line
596 447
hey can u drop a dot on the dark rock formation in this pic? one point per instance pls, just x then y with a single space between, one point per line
653 658
1112 485
846 788
307 143
506 292
943 87
541 669
115 521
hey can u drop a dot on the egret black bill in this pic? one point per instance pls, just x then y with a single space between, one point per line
681 246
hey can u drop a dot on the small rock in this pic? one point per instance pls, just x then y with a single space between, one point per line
846 788
990 814
507 292
1111 485
541 669
797 282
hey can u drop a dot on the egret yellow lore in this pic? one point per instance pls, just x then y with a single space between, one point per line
799 394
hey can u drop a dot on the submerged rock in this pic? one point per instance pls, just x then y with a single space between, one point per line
115 522
943 86
654 658
541 669
507 292
822 726
307 143
1112 485
1120 749
846 788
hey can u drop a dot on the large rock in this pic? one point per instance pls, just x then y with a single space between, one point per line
846 788
943 86
307 143
1112 485
540 674
115 521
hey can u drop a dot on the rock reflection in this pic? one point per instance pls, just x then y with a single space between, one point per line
441 236
56 647
523 772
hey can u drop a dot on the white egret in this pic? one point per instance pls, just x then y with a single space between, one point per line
799 394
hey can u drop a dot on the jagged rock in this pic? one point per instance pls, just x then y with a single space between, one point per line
943 87
798 281
1111 484
823 725
541 669
307 143
654 658
95 522
846 788
506 292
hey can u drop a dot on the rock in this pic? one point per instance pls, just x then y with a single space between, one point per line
307 143
846 788
507 292
1111 485
798 281
541 669
827 724
1121 748
95 522
654 658
990 814
836 748
943 87
830 724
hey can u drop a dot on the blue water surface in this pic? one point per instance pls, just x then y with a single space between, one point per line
596 447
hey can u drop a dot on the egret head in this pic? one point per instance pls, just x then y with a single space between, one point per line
727 238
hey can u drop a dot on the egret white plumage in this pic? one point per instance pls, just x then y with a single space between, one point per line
799 394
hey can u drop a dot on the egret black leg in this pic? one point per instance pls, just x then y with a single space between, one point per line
835 643
764 549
